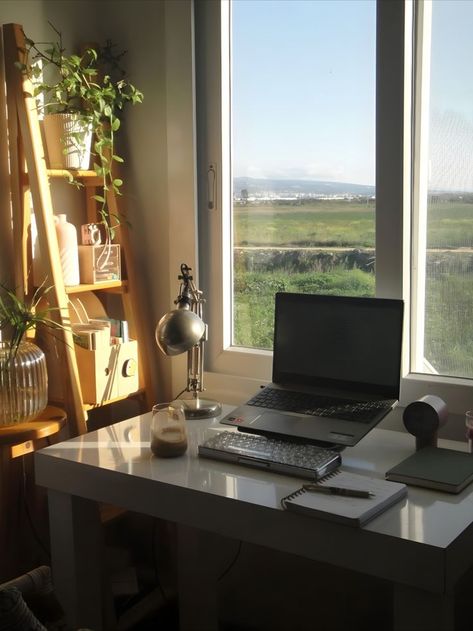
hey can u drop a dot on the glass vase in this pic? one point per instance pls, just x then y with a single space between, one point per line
23 383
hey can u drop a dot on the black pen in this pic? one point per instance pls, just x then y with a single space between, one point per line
337 490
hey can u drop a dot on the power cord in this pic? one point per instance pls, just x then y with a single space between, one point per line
232 562
29 518
181 392
155 560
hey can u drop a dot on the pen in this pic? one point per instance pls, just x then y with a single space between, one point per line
337 490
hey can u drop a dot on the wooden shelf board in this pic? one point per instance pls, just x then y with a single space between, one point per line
112 286
77 173
49 422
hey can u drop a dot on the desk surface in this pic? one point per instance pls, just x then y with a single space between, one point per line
427 535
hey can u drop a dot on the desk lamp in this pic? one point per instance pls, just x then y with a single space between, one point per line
183 330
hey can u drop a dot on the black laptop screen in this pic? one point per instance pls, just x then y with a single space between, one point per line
334 341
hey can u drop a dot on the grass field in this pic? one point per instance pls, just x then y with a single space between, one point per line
339 224
254 298
342 224
306 226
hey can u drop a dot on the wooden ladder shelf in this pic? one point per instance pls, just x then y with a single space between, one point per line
31 177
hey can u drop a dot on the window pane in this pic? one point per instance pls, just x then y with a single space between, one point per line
447 346
303 156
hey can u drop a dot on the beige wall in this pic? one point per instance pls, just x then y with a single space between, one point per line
157 139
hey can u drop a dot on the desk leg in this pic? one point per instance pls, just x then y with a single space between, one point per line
421 610
197 579
77 561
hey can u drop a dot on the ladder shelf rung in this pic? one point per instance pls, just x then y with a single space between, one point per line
111 286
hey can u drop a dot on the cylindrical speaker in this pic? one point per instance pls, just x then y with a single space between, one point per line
423 418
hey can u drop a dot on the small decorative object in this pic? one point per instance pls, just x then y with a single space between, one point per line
91 234
424 417
99 263
23 376
168 430
183 330
68 250
94 89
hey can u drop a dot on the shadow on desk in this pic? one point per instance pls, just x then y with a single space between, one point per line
263 590
267 591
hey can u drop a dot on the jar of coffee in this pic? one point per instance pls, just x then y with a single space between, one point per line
168 430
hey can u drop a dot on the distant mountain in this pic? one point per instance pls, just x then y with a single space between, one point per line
260 186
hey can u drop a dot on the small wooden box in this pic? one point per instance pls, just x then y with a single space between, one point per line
99 263
109 372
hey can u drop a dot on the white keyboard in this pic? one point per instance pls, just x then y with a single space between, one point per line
298 459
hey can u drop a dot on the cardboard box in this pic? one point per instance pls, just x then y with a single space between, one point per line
108 373
99 263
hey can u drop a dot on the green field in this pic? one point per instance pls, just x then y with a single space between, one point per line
254 298
305 226
262 229
341 224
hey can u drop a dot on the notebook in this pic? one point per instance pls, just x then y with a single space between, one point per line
353 511
346 350
435 468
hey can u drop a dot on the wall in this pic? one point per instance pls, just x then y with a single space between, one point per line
157 139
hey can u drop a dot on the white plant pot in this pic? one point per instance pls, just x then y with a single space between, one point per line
68 141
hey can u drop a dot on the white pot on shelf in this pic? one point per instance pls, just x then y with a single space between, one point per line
68 141
68 249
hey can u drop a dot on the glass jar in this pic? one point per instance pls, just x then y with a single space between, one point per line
168 430
23 383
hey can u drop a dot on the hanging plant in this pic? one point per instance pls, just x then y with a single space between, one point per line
93 87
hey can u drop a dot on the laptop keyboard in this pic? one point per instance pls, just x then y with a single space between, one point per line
319 405
299 459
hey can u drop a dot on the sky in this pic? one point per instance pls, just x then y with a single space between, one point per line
303 104
303 91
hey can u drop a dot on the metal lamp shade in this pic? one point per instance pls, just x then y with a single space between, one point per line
178 331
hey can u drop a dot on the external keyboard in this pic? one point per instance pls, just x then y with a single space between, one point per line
299 459
320 405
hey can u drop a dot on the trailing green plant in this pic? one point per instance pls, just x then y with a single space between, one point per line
94 87
18 316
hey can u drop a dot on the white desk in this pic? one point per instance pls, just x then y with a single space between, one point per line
422 545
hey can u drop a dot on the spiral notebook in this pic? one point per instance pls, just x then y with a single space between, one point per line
354 511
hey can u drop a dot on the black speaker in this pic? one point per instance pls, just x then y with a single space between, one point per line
423 418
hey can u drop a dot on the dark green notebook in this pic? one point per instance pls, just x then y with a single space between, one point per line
435 468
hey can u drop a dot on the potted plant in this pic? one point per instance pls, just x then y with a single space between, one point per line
23 375
89 91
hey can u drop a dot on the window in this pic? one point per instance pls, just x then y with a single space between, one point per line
302 84
247 216
443 298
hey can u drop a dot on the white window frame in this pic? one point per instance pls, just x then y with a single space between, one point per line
234 371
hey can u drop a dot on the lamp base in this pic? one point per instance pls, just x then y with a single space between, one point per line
200 408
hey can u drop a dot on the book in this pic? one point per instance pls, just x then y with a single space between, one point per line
342 508
435 468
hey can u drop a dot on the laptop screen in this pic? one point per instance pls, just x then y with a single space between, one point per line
340 342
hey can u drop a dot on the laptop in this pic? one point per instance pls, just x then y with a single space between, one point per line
336 370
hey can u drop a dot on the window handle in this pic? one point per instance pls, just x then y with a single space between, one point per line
211 186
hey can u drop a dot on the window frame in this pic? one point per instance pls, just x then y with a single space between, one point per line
236 371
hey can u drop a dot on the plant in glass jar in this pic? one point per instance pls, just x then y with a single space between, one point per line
91 90
23 375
